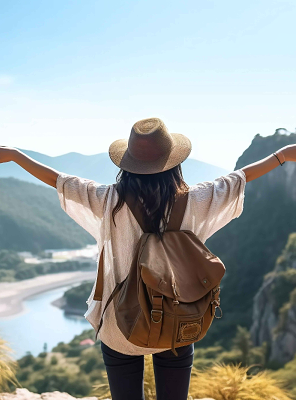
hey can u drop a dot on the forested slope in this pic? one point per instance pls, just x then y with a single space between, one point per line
250 244
31 219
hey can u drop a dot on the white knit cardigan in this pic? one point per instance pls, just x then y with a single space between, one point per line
211 205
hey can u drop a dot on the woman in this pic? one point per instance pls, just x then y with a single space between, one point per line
150 163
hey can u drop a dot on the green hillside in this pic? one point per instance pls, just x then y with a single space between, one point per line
31 219
250 245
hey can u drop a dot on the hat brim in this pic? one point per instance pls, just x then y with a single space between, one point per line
118 152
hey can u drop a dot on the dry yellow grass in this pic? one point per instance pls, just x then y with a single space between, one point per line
102 391
232 382
220 382
7 367
149 382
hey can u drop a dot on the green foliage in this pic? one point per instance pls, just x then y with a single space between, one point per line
26 361
242 342
54 360
40 364
31 219
63 381
241 351
61 347
283 284
290 248
76 297
43 354
6 276
8 259
59 370
283 312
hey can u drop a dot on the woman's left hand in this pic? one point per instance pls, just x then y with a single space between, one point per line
6 154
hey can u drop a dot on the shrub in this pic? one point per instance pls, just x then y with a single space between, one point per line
26 361
54 360
61 347
89 365
39 364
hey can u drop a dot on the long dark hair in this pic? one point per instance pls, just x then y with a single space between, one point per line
154 191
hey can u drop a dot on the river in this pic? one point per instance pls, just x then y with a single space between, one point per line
40 323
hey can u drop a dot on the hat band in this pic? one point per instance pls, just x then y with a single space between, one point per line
147 158
146 150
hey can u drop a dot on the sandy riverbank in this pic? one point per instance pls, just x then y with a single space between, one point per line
12 294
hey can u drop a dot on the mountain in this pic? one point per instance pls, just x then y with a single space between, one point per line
250 244
31 219
101 169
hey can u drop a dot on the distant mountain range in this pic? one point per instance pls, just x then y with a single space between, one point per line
101 169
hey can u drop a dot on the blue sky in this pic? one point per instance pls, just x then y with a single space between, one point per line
75 75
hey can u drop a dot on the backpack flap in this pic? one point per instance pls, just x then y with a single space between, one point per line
181 259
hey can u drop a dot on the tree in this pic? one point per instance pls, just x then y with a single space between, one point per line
242 341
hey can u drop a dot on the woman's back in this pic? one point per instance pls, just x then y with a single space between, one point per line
210 206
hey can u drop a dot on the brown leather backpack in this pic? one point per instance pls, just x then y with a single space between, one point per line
171 293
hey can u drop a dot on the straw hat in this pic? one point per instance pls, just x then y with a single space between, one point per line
150 148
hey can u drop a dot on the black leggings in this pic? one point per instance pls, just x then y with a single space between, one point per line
172 374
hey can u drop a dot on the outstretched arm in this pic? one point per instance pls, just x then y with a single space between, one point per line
261 167
40 171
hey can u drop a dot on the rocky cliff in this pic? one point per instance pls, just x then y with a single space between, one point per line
274 310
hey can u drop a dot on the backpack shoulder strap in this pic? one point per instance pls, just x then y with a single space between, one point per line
177 213
137 210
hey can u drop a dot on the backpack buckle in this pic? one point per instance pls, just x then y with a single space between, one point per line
156 311
216 303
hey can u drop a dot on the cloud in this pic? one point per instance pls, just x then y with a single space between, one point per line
5 80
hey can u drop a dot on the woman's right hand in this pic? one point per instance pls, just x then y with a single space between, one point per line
289 152
6 154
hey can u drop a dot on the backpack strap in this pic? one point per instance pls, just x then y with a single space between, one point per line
177 213
137 210
111 297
